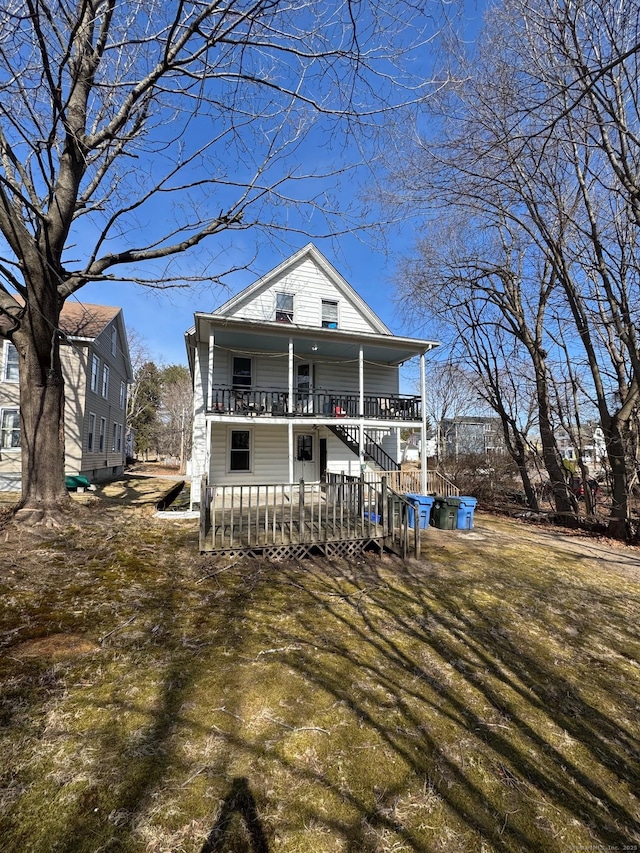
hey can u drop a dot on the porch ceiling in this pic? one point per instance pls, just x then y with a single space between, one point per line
311 343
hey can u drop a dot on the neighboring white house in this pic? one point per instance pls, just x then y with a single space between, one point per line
97 370
296 376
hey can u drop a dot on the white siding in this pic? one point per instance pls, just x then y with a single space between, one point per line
269 455
309 286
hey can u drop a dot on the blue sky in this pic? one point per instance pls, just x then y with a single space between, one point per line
160 317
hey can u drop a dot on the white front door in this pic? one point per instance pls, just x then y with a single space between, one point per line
305 463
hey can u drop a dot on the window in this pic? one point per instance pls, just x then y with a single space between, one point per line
92 431
10 370
114 340
95 370
123 394
103 429
284 307
119 441
241 372
240 452
329 314
304 448
9 429
114 438
105 381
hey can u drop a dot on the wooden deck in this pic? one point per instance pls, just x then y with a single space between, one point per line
339 517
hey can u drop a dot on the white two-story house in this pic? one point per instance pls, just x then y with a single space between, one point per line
97 371
295 377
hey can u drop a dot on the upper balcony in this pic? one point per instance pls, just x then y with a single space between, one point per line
275 402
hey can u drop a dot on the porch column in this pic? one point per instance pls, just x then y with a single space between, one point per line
290 404
290 430
208 403
423 430
207 450
361 381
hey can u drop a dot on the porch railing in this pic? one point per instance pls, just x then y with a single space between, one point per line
227 400
410 481
303 515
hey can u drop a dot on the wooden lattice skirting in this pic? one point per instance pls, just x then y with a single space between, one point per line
344 549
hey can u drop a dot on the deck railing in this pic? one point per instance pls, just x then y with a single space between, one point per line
410 482
227 400
303 515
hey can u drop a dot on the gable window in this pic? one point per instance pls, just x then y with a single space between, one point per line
114 340
9 429
95 370
329 314
103 429
92 431
241 372
240 450
105 381
284 307
10 369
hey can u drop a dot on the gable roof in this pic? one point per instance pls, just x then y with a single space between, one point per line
340 283
77 320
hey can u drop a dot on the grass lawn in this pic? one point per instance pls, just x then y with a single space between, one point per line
485 698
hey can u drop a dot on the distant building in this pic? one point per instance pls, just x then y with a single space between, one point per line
470 434
97 370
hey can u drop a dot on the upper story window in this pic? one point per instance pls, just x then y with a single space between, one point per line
10 367
329 314
241 372
123 394
284 307
105 381
95 370
114 340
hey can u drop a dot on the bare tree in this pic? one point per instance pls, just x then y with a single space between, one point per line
131 133
540 144
176 413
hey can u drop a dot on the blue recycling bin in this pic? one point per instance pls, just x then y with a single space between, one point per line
420 504
465 512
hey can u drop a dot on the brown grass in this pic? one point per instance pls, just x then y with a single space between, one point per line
484 698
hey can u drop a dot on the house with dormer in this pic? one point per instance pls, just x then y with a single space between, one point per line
296 378
97 371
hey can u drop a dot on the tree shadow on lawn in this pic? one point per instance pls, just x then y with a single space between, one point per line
373 704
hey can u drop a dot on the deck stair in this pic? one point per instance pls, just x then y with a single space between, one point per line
372 450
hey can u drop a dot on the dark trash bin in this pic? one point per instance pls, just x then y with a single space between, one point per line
420 504
445 513
465 512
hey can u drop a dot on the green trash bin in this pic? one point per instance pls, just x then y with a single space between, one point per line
445 513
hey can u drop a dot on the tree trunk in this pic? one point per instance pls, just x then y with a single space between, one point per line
44 494
617 527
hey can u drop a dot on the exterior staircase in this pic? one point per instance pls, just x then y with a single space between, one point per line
373 452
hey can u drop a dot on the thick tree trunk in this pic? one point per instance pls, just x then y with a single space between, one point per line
44 494
618 526
562 497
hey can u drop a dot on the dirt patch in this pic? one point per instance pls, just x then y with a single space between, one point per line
55 647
